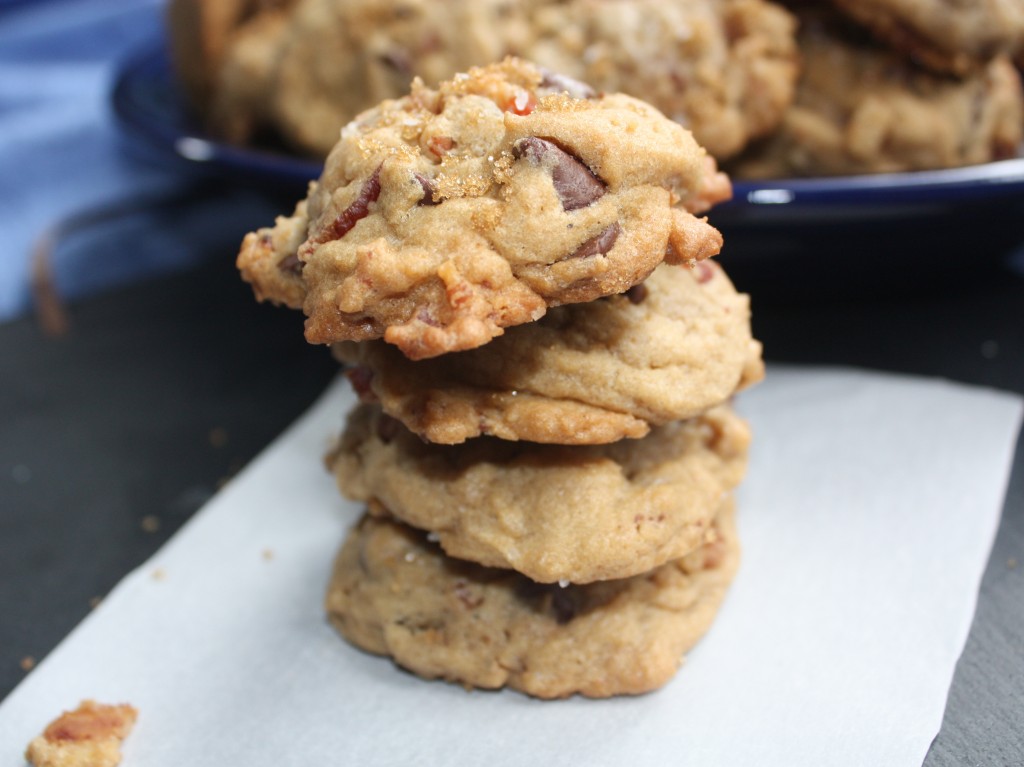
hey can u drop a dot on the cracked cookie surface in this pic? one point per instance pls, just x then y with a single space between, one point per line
670 348
446 216
553 513
393 593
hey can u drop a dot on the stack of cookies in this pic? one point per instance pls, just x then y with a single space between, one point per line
513 268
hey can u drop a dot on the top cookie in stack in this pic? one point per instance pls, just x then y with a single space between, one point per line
515 269
444 217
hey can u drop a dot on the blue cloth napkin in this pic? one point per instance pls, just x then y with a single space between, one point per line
60 151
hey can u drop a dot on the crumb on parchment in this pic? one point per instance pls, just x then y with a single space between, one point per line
89 736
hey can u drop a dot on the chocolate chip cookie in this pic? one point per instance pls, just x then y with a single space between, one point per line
955 36
862 108
724 68
446 216
551 512
669 348
203 39
394 593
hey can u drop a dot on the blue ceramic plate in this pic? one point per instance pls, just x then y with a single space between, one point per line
152 112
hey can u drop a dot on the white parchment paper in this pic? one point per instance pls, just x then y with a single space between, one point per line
866 520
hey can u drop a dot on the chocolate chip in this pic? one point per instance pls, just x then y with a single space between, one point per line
563 605
575 184
637 294
290 264
559 83
359 209
387 428
428 189
599 244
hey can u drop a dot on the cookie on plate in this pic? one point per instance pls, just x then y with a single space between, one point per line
946 35
554 513
238 109
670 348
446 216
341 57
726 69
394 593
862 108
202 39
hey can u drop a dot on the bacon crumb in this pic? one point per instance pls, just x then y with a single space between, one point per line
352 215
89 736
523 103
704 272
439 146
360 378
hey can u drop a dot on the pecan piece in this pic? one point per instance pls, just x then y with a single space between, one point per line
428 189
290 264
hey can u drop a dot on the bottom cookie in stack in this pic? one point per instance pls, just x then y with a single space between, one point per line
594 567
393 592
